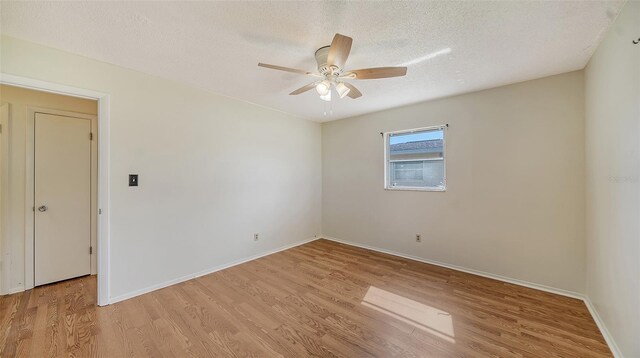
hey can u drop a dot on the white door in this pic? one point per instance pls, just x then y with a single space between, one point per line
62 195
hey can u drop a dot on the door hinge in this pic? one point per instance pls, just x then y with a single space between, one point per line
90 250
99 211
0 128
90 136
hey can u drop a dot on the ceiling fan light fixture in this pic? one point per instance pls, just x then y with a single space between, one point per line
342 89
327 96
323 88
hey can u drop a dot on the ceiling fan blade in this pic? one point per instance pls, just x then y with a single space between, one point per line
288 69
377 72
339 50
353 93
304 88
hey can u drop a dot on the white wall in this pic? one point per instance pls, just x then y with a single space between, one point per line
514 204
612 81
213 170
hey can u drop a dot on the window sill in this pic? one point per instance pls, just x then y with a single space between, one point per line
407 188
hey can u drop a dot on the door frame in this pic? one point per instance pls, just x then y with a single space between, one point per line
29 245
102 220
5 188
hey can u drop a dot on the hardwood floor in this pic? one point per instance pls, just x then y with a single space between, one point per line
321 299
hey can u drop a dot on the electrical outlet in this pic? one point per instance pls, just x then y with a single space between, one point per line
255 237
418 238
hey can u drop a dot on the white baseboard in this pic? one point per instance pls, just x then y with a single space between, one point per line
514 281
603 329
13 290
596 317
203 272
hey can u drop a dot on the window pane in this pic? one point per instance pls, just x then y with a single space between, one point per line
416 145
407 171
427 173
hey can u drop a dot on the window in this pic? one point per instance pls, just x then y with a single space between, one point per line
414 159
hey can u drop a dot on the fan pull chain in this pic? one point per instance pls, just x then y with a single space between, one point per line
331 108
328 107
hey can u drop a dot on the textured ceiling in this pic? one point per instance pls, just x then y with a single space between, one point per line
450 47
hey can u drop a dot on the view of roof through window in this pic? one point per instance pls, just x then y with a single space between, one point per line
416 136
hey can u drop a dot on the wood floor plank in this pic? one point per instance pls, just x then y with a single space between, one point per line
322 299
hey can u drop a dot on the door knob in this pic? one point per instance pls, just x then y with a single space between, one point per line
42 208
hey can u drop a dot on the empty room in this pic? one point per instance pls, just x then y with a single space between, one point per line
320 178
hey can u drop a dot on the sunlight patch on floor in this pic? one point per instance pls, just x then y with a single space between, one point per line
419 315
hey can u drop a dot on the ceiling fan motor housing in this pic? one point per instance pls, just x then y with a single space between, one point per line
321 58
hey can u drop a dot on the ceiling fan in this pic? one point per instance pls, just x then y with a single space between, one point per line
331 61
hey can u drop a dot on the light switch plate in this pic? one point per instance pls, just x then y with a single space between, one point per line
133 179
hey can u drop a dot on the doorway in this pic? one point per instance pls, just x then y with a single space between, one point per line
24 279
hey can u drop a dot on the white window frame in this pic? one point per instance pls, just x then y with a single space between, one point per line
387 175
